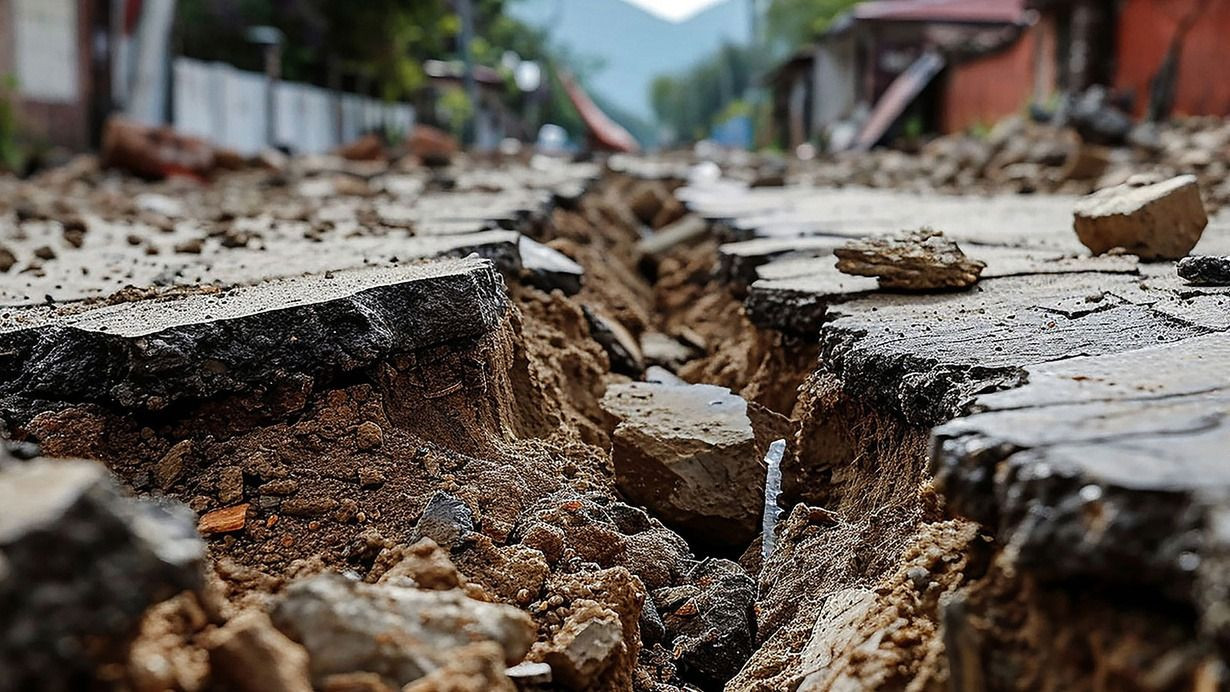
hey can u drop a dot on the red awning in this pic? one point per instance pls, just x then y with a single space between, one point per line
605 133
960 11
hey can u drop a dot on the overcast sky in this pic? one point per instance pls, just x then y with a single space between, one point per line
673 10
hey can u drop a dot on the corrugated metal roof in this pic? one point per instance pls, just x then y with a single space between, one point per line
964 11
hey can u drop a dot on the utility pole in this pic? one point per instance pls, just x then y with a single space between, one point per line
465 9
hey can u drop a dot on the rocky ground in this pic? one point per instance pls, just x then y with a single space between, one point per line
370 426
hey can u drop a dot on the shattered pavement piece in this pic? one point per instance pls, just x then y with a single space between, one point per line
711 621
620 346
685 230
153 353
1152 221
399 632
584 647
250 655
79 564
663 350
549 268
1133 438
917 261
1205 270
691 454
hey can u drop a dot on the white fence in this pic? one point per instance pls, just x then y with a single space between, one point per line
228 107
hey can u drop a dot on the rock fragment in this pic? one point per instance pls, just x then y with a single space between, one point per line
1162 220
1205 270
549 268
446 520
711 621
401 633
585 646
249 655
79 564
920 260
691 454
223 520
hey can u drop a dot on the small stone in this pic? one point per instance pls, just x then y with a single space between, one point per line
370 477
249 655
398 632
224 520
584 647
369 435
283 486
7 259
529 673
446 520
919 260
309 507
45 253
692 455
1161 220
192 246
80 562
1205 270
171 466
230 485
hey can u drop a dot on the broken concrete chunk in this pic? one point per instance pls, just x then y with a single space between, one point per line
620 346
446 520
690 454
398 632
153 353
1153 221
917 261
249 655
1205 270
684 230
711 621
549 268
660 349
1107 467
585 646
79 564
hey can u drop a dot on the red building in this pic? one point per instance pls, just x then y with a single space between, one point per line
1170 53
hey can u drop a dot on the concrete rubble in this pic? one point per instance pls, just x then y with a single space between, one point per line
81 563
458 424
400 633
917 261
1159 220
692 455
1205 270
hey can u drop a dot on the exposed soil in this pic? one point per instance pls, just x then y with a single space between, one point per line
484 465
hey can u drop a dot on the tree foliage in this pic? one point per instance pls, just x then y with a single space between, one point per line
690 103
793 23
379 46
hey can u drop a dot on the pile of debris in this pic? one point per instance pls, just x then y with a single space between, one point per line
1019 155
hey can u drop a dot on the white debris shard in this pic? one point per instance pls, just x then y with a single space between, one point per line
772 488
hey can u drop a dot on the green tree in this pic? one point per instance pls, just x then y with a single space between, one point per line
690 103
793 23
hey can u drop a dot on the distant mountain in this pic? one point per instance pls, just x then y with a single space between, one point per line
633 45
